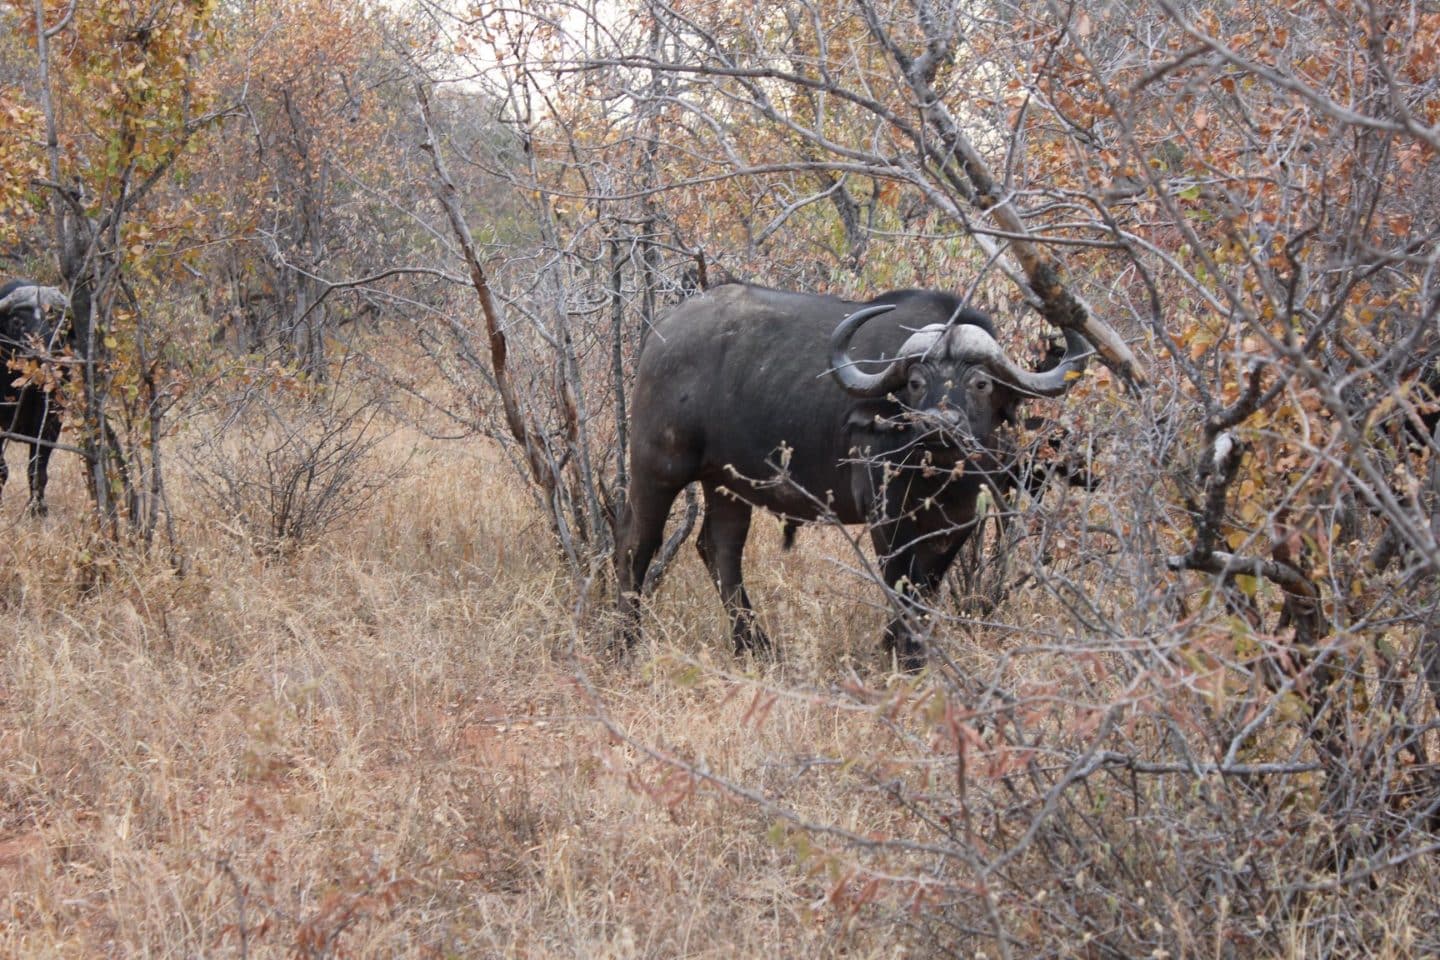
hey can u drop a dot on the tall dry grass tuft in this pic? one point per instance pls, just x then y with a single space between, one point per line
375 746
408 738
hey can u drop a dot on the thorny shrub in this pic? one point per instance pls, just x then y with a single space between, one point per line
288 458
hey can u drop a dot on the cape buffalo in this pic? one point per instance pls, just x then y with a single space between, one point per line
31 321
754 393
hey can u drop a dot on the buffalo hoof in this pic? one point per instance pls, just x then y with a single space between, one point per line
622 642
751 639
909 653
913 660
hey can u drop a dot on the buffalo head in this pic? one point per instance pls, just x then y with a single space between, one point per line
952 377
30 312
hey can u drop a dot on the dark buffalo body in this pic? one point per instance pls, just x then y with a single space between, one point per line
31 318
752 393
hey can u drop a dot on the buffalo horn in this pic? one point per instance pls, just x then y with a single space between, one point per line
1051 383
966 340
844 369
34 295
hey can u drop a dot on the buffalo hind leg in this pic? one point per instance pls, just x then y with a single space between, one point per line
642 529
722 545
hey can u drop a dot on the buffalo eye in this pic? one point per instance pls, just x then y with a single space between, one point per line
918 383
982 384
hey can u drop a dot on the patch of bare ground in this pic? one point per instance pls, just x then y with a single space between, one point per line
376 746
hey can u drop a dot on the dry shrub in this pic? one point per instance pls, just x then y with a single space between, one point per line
289 458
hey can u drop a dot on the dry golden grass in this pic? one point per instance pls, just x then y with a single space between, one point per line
376 746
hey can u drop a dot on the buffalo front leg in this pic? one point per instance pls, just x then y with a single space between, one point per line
40 463
722 545
914 571
642 527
